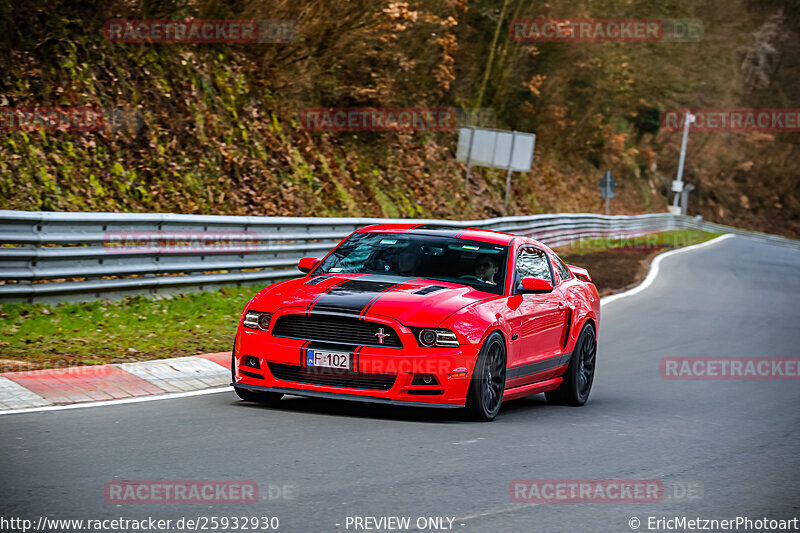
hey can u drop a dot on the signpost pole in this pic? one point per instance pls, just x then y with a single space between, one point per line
685 198
607 189
508 175
677 186
469 157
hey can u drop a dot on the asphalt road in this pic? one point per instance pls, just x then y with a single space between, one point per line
733 443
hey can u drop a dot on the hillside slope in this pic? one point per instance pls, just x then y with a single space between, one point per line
220 128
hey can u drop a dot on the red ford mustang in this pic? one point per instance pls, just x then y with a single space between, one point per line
424 316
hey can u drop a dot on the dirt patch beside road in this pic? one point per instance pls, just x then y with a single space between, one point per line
614 270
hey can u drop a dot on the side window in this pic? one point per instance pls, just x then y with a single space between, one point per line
563 271
532 263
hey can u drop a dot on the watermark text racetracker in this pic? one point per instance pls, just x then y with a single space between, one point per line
378 119
176 242
70 119
193 492
586 491
604 490
395 118
605 30
730 368
201 31
621 241
733 120
180 492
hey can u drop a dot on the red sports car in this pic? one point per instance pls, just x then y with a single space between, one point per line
424 316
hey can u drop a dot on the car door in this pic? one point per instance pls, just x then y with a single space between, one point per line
566 284
538 321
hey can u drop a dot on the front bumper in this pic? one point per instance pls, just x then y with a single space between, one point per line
394 369
350 397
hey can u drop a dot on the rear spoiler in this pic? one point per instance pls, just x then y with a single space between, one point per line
580 273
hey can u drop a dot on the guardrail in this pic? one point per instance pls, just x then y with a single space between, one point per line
49 256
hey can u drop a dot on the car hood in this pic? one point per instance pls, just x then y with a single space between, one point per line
412 301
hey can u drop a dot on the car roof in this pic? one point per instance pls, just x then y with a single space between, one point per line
472 234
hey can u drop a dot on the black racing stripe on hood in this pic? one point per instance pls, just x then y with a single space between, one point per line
320 295
354 295
377 297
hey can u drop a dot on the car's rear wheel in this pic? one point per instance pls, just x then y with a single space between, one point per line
488 380
578 378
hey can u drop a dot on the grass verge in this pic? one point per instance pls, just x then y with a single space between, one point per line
133 329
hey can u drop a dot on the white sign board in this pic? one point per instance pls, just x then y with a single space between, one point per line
496 148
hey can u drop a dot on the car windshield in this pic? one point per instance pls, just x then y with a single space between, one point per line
478 264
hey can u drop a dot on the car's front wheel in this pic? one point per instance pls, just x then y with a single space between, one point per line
578 379
488 380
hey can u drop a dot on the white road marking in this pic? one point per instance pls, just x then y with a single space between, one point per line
499 510
654 266
168 396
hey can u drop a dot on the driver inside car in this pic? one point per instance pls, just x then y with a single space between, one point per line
485 269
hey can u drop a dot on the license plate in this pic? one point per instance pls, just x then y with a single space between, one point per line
328 359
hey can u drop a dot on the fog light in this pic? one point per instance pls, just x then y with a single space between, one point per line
252 362
424 379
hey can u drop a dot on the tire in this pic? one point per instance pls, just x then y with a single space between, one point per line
579 376
263 397
488 381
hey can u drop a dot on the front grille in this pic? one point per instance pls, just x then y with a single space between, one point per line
332 377
337 329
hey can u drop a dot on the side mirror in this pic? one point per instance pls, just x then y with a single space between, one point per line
307 264
535 285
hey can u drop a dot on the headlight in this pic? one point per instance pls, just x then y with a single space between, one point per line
257 320
437 337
